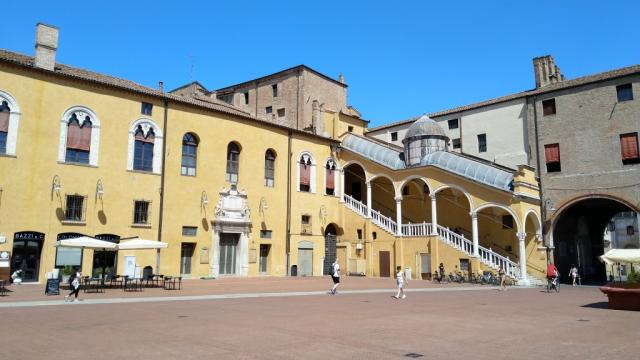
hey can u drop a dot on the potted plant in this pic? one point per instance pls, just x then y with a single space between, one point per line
66 271
626 295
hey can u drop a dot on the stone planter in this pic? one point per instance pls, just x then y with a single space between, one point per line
623 296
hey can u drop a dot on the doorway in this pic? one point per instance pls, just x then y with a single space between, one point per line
330 240
27 247
130 266
264 258
228 251
305 258
186 256
385 263
105 262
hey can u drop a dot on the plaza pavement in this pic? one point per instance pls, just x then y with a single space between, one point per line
294 318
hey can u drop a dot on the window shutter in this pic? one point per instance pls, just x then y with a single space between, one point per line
330 179
629 146
4 120
305 174
74 135
552 153
85 136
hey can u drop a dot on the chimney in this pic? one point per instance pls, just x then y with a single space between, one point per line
46 46
546 71
161 86
341 79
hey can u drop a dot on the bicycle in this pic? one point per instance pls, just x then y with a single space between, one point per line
553 283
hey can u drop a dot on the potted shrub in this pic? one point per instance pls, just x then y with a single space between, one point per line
624 296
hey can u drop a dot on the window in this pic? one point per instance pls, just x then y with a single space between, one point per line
330 177
269 168
233 162
552 156
548 107
189 231
68 256
143 152
274 90
246 98
625 92
453 124
268 109
228 98
359 234
5 114
265 234
630 230
281 112
146 109
629 148
141 212
74 208
306 224
507 222
78 139
394 136
189 154
482 143
305 173
456 143
350 128
374 235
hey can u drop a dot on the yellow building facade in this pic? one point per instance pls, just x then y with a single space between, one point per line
233 195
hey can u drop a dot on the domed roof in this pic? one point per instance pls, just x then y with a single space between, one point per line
425 126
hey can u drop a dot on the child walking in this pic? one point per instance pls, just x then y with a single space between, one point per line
400 280
74 281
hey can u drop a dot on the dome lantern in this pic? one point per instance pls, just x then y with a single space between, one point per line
423 137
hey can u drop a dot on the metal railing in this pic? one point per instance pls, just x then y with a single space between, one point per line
383 221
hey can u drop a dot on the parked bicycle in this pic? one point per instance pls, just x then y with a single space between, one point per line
553 283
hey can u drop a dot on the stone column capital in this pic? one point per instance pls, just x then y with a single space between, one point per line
433 197
398 199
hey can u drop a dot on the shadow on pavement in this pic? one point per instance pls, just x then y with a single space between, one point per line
598 305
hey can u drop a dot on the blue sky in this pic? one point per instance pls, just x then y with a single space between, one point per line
400 58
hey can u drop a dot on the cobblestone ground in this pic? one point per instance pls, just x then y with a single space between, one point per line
295 319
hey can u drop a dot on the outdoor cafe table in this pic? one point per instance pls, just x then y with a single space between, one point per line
132 284
93 285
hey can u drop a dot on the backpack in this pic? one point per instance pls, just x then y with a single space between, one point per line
71 277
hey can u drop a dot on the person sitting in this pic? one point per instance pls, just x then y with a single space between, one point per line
16 277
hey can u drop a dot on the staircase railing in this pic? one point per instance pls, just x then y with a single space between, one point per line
420 229
384 221
457 241
355 205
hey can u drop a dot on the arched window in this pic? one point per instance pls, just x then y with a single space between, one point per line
330 177
5 113
143 151
233 162
9 120
189 154
306 174
269 167
78 138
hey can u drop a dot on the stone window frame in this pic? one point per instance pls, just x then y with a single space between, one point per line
336 177
14 122
552 106
94 150
146 124
312 175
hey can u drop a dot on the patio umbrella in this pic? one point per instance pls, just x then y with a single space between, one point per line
87 242
613 256
142 244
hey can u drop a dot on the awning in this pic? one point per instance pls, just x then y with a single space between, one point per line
613 256
87 243
141 244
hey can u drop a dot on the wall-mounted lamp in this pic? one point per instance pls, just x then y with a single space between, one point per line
56 186
548 204
335 148
99 189
204 200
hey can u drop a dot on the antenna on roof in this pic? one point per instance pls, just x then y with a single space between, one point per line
192 69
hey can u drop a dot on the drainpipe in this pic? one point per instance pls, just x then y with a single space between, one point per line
162 178
288 225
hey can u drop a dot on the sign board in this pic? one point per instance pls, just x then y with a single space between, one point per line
53 287
204 255
5 258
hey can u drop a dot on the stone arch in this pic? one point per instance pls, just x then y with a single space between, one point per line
414 177
95 133
565 205
385 176
456 187
354 180
14 122
536 220
519 228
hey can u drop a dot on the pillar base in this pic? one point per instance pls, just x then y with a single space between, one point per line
524 282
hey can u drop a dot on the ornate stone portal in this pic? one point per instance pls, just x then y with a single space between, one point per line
232 228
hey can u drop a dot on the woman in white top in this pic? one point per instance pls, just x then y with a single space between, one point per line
400 280
335 275
74 282
574 274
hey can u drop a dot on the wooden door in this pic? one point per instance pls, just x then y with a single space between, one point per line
305 262
385 264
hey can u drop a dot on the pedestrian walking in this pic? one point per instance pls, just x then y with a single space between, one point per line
74 282
441 270
503 278
16 277
400 280
573 273
335 276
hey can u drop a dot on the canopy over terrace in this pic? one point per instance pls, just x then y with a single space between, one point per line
143 244
87 242
613 256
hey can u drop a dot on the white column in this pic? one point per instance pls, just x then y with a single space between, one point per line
434 215
399 215
342 185
474 229
215 254
523 256
369 197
